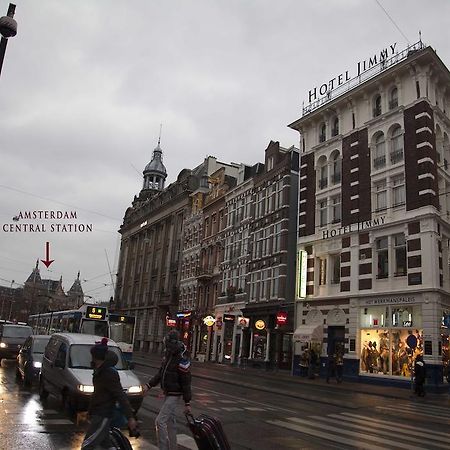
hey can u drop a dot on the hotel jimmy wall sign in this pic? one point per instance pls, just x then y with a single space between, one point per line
358 226
366 64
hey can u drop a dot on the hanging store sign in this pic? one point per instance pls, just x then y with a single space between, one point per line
228 318
209 321
260 325
301 273
171 322
244 322
282 318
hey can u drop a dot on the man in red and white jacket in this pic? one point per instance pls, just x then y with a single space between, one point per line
174 375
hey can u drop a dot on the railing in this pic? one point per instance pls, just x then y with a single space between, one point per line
367 75
379 162
397 156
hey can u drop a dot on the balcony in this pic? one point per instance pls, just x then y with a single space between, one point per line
397 156
205 273
380 162
323 183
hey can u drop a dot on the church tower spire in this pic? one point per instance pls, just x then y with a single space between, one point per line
155 173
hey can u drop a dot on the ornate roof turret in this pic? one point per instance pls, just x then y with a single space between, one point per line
155 172
35 276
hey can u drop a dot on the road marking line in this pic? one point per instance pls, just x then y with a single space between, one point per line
253 408
326 436
55 422
439 418
394 426
232 409
186 441
368 437
378 427
409 427
423 406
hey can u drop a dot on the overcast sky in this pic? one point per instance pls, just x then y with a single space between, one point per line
86 83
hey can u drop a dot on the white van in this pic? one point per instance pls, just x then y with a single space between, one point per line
67 373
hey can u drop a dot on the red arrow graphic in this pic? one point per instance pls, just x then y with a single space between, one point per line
47 260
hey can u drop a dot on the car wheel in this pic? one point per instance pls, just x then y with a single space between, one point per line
43 394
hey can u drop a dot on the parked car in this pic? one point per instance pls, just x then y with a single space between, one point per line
29 359
66 371
12 337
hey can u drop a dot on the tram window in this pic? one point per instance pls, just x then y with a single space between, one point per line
95 327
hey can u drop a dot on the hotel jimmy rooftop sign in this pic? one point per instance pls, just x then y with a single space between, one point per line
365 69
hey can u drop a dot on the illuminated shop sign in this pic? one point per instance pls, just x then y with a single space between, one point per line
282 318
96 312
209 321
301 274
183 315
171 322
260 325
244 322
359 226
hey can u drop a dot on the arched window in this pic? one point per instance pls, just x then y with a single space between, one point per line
396 145
335 129
379 154
323 172
446 148
393 100
377 105
336 167
322 132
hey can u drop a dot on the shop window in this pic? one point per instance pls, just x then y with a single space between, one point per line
323 213
259 346
400 255
322 271
336 267
382 257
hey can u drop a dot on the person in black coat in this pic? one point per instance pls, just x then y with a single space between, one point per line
107 391
420 374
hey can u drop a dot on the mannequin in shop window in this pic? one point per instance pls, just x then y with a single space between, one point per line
365 357
384 353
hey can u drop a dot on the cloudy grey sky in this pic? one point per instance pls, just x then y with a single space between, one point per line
86 83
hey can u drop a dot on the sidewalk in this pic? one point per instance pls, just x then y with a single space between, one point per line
281 382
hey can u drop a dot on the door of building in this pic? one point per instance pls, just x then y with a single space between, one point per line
336 335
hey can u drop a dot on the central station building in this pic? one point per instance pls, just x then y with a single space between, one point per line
374 218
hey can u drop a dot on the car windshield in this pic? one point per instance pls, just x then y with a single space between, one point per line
80 357
39 344
16 331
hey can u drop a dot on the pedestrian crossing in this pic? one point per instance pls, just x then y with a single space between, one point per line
356 430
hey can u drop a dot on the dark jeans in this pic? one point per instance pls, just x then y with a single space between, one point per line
419 388
339 371
97 434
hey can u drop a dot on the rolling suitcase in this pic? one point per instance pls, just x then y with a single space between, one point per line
208 432
120 441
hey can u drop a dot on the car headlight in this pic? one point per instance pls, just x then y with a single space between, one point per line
3 345
86 388
37 364
135 390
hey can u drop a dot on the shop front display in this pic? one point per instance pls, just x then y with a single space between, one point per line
391 339
445 349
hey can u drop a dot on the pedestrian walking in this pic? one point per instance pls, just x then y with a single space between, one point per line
420 374
312 364
339 365
174 375
107 392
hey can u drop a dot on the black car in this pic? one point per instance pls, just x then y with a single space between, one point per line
29 360
12 337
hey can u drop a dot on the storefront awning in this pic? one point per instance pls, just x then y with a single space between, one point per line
309 333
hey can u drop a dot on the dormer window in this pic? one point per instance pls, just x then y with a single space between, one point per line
322 132
377 106
335 129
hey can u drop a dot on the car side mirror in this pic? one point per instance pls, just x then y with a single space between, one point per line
131 365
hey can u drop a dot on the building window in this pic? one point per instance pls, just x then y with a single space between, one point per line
323 177
379 157
353 120
337 166
335 129
400 255
377 106
322 132
381 196
398 190
336 267
418 89
396 146
393 100
336 209
382 257
323 213
322 271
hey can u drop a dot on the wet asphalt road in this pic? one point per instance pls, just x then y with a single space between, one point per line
317 417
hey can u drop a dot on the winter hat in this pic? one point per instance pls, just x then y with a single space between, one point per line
98 351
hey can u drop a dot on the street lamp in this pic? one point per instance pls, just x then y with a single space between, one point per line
8 28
